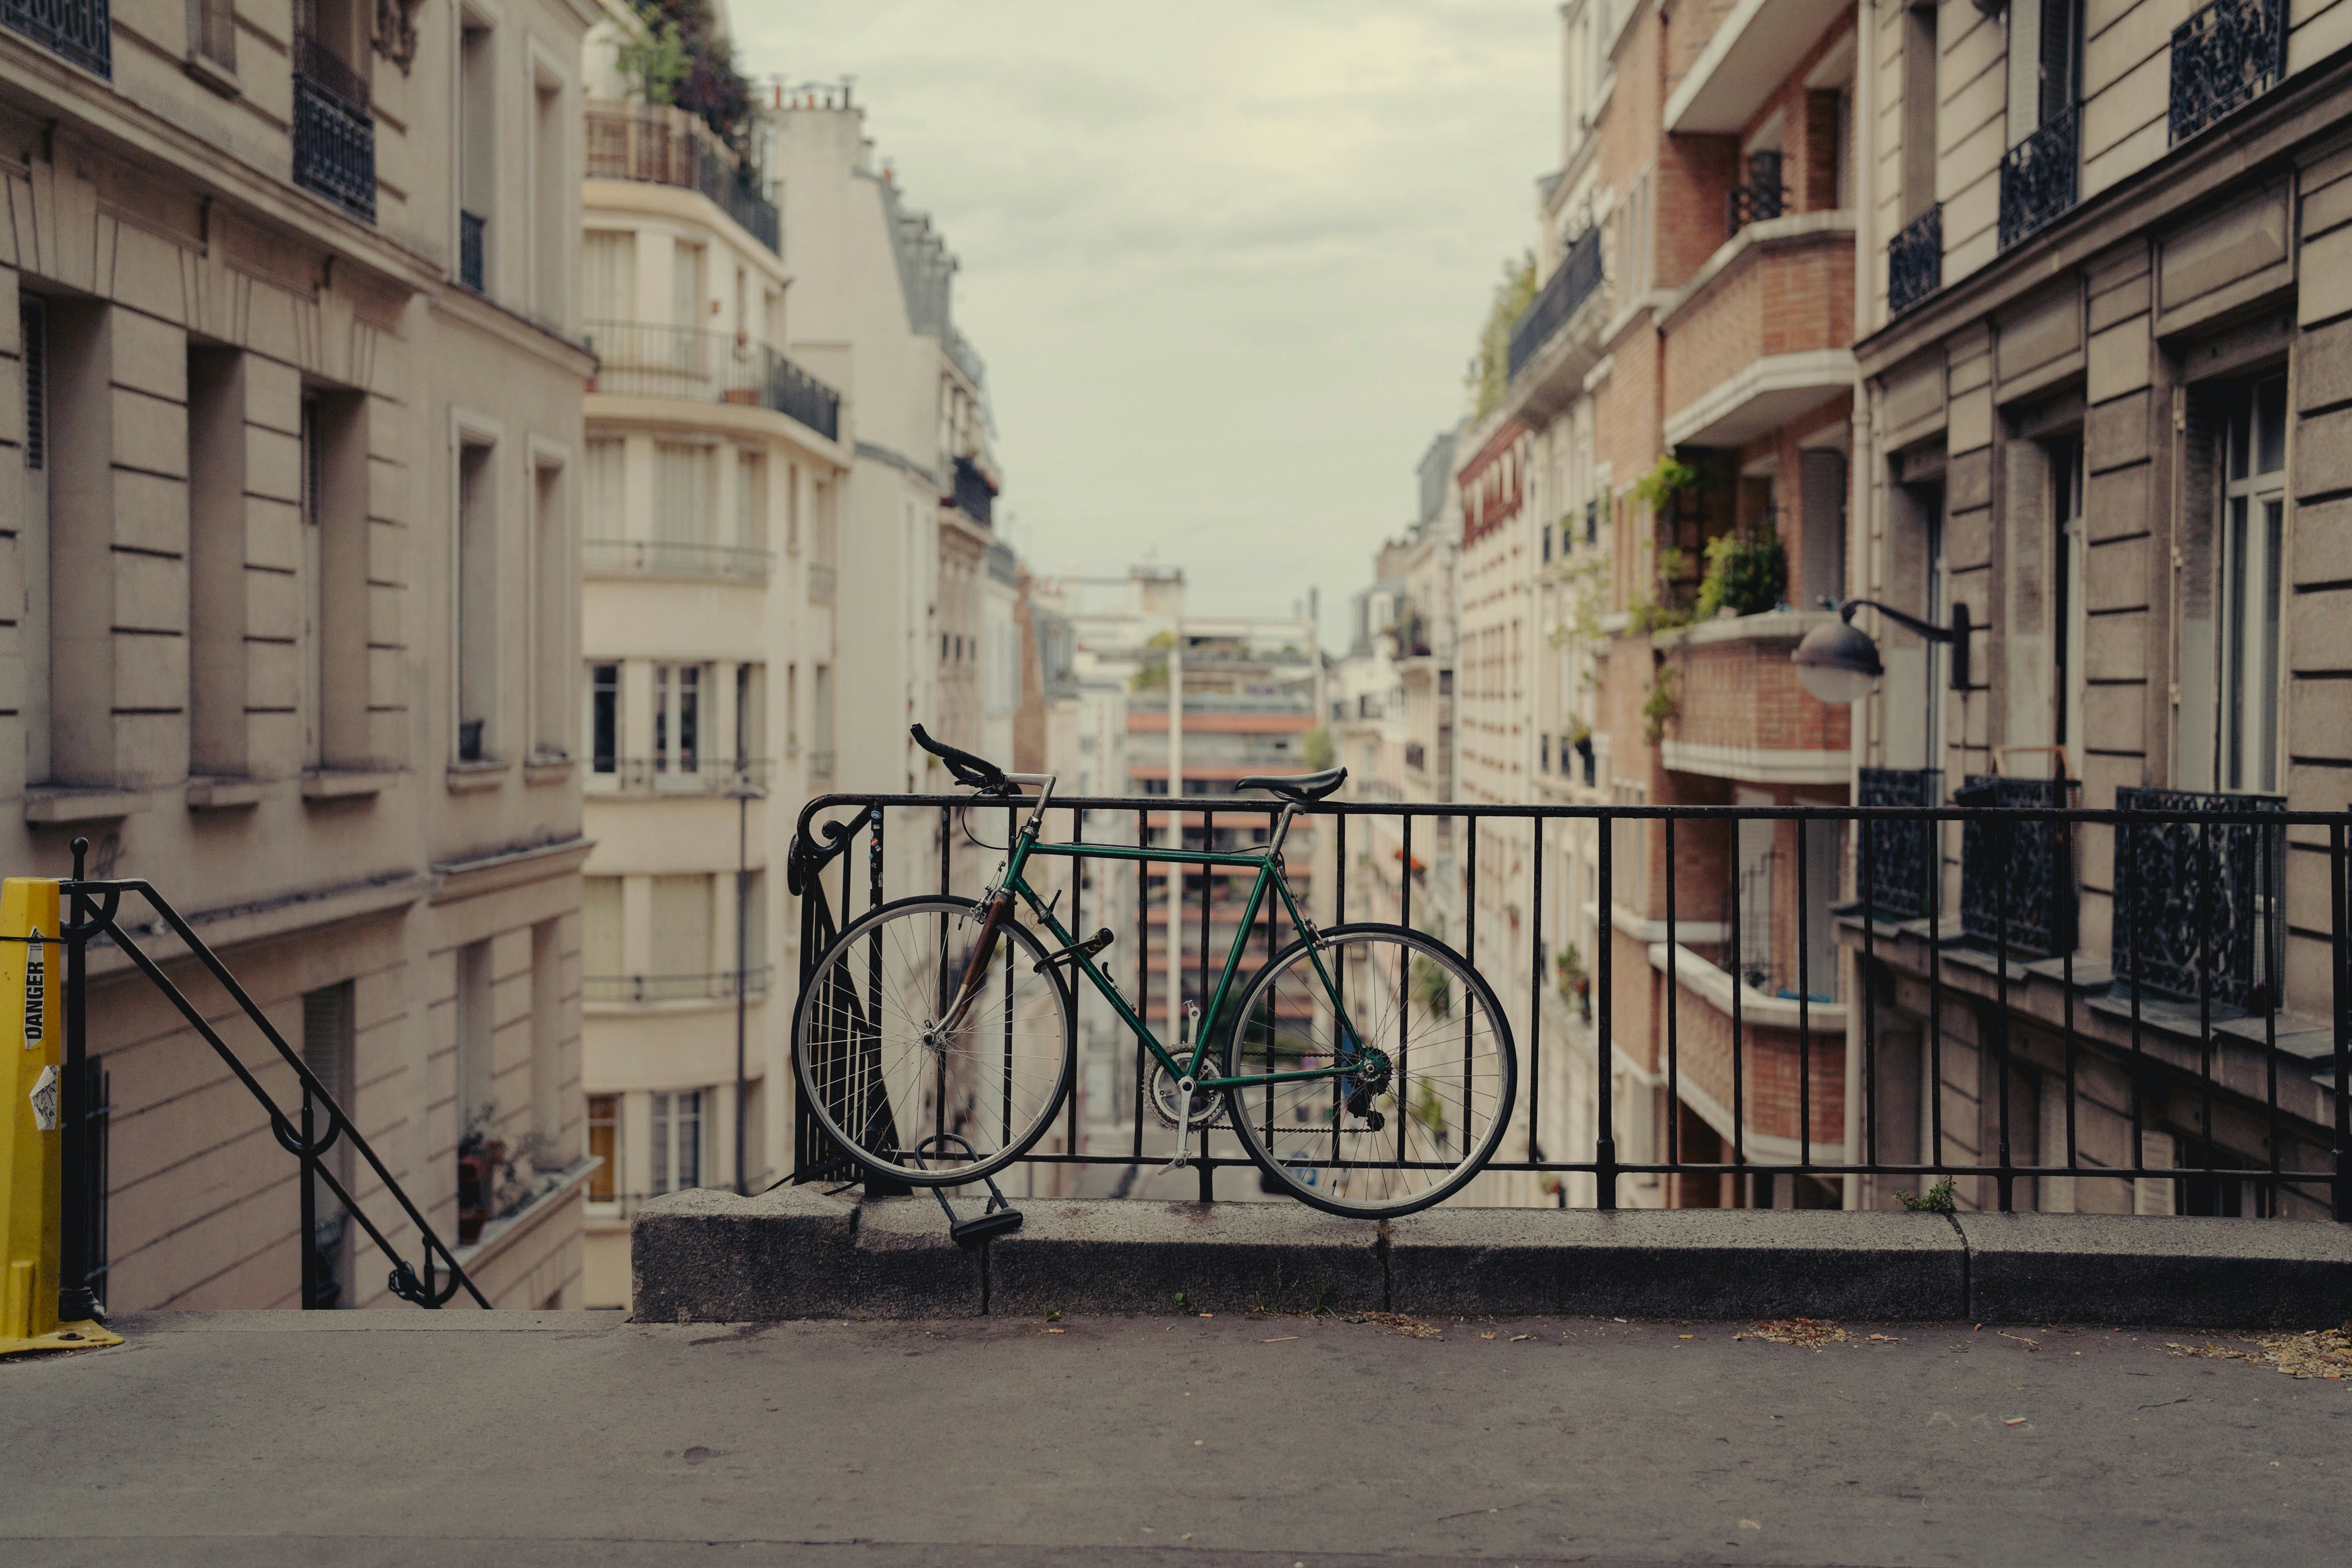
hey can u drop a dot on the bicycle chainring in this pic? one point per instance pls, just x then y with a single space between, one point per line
1208 1107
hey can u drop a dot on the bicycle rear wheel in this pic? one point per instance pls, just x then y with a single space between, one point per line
908 1100
1433 1072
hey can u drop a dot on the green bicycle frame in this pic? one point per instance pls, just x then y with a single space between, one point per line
1269 873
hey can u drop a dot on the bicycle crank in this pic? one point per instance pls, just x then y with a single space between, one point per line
1206 1107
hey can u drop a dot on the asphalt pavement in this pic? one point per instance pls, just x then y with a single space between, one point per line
521 1439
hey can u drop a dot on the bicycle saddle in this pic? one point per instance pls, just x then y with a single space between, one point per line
1306 787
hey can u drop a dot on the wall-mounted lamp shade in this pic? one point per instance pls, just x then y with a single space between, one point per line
1837 664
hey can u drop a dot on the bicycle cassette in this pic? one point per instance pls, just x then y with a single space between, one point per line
1208 1107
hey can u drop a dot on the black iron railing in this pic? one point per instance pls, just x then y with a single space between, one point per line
472 227
310 1131
80 31
674 558
720 985
2019 876
2040 176
1569 286
1897 876
334 134
1915 260
2202 899
975 497
648 358
668 147
1758 196
2224 58
678 775
1754 1106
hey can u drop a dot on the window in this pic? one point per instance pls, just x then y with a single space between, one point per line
686 290
677 718
1918 187
682 498
549 196
2066 513
681 925
750 710
601 943
677 1141
478 169
327 1051
216 563
2252 520
212 32
476 1075
605 1144
307 673
551 597
2045 62
751 500
608 277
792 509
475 606
547 1042
604 498
792 710
605 717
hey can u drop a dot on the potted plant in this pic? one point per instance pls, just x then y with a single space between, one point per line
480 1155
1575 985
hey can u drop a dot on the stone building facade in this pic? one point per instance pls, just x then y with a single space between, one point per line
290 455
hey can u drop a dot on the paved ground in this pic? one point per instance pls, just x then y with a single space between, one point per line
525 1439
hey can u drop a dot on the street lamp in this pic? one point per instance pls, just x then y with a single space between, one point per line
1839 663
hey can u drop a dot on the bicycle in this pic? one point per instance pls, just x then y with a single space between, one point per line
1367 1069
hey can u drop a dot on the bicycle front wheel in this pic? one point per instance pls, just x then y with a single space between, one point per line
908 1097
1431 1072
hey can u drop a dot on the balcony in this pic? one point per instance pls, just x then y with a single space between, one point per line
1569 286
663 146
470 231
1762 331
2198 904
676 558
80 32
688 775
1915 260
2039 176
2224 58
1758 197
1742 714
974 494
644 359
2019 876
1749 56
334 134
634 991
1898 867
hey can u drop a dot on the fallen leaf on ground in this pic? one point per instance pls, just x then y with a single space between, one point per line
2013 1420
1813 1332
1398 1322
1897 1339
2322 1352
1517 1337
1279 1339
1486 1336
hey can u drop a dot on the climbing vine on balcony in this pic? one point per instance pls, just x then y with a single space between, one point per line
683 60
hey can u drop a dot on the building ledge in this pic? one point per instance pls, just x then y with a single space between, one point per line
465 777
1761 395
508 867
1782 625
220 792
53 807
347 783
548 769
1703 978
263 919
1756 764
509 1229
1752 52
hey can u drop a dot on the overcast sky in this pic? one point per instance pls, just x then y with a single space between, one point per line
1226 259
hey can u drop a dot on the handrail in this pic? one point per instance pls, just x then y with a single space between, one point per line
94 906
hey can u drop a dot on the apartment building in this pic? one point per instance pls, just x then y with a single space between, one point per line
2102 340
714 468
292 447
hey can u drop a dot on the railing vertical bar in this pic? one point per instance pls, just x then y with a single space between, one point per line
2271 898
1604 1139
79 1205
2128 837
1936 836
1404 968
1142 966
1869 888
1273 1000
1536 998
2205 991
1208 1170
2005 1182
308 1239
1804 1020
2067 982
1674 1031
1340 877
1078 930
1738 1029
2340 1007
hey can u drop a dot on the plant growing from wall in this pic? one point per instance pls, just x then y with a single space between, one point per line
1666 608
1491 371
1664 704
1320 752
1746 572
1670 478
683 60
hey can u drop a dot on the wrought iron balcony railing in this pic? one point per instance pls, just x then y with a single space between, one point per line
2019 876
2224 58
1758 197
646 359
470 227
634 989
1915 260
334 135
975 497
80 31
2039 176
2198 904
678 775
672 557
1897 869
670 147
1569 286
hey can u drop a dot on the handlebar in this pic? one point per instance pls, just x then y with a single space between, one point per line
976 771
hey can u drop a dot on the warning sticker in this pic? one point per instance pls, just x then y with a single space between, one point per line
36 990
45 1100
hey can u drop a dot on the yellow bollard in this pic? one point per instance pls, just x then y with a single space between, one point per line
32 1186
